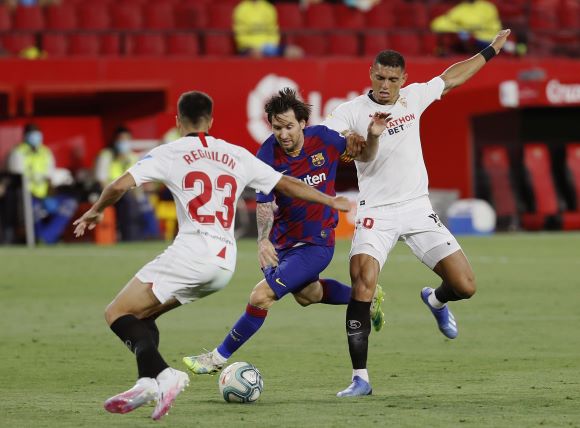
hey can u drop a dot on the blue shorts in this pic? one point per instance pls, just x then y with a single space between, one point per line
297 267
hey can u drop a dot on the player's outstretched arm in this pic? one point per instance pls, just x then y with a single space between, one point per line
295 188
462 71
265 220
376 127
111 194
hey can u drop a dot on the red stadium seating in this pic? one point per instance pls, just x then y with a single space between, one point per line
219 44
158 16
83 44
349 18
110 44
16 42
55 45
496 166
289 16
145 45
344 44
126 16
573 171
60 18
381 16
406 43
374 42
180 44
190 16
312 44
320 16
569 14
93 16
220 15
547 214
5 21
28 18
411 16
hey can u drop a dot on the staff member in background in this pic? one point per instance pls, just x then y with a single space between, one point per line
35 161
136 218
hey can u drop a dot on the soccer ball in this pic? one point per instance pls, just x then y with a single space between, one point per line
240 383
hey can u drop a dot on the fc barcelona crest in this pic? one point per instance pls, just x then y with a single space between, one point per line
317 159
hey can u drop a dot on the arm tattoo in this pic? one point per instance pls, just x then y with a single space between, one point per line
264 219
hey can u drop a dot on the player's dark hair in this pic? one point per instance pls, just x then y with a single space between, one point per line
390 58
194 107
287 99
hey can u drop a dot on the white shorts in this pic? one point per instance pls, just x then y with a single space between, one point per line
414 222
183 272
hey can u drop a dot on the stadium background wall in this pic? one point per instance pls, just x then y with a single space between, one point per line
79 102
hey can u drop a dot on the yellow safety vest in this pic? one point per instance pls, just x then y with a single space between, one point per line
118 167
36 168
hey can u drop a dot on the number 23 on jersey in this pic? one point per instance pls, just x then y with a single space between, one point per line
225 187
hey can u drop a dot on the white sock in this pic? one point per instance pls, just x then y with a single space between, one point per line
217 357
432 299
362 373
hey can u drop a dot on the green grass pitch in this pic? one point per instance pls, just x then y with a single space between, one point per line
516 361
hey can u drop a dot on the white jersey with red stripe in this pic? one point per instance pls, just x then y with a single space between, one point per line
398 172
206 177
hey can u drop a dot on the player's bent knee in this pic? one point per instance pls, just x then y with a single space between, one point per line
261 298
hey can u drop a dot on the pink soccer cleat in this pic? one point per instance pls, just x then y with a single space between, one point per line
145 390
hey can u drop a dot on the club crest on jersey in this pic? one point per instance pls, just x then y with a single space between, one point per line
317 159
403 101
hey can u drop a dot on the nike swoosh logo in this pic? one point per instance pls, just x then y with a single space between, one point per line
280 282
353 334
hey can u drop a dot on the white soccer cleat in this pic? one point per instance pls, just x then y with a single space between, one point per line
203 364
171 382
145 390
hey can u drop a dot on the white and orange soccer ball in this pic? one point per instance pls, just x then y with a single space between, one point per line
240 383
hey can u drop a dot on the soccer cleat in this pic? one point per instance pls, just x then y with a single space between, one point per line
144 391
377 314
171 382
444 317
202 364
357 388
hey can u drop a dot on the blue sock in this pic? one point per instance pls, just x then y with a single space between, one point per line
334 292
247 325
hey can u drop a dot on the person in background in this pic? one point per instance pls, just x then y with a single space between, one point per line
136 218
52 211
476 22
256 31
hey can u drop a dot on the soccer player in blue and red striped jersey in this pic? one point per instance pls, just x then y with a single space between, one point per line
296 239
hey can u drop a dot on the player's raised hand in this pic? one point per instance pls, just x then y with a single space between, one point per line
88 220
500 39
267 253
354 146
341 203
379 122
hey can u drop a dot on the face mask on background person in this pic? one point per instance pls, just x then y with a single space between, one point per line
34 138
123 147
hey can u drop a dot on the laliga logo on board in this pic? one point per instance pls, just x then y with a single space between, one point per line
269 85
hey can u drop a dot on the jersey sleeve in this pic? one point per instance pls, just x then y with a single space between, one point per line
260 176
340 119
429 92
266 155
152 167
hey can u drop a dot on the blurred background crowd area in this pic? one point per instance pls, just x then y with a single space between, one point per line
193 28
86 88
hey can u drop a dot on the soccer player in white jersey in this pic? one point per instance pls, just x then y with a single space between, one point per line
206 177
393 203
